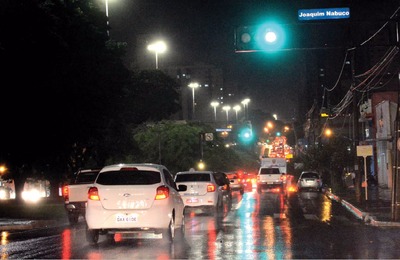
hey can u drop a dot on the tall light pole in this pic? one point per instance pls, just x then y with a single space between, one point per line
108 21
226 109
214 104
245 103
236 108
193 86
157 47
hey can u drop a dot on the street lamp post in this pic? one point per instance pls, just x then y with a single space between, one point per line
214 104
236 108
157 47
226 109
193 86
108 22
245 103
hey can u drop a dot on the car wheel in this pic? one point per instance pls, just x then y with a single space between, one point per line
168 234
92 236
73 218
241 191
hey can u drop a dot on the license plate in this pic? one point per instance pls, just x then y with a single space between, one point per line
126 218
192 200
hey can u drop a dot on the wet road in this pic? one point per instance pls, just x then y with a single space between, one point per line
259 226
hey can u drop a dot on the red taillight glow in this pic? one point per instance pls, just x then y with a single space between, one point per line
93 194
65 192
162 193
211 188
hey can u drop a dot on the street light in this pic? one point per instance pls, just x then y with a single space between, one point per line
108 20
236 108
193 86
226 109
245 103
157 47
214 104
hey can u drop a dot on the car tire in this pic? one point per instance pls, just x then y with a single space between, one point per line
73 218
92 236
168 234
242 191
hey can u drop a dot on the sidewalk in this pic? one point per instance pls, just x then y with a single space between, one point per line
375 211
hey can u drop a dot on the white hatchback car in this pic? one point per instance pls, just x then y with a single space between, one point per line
204 190
134 198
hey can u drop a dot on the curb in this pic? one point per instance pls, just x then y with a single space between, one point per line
27 224
359 214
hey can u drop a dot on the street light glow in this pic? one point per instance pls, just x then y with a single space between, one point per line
214 104
193 85
157 47
245 103
236 108
226 109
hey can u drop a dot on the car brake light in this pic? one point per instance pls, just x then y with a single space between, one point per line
93 194
162 193
211 188
65 192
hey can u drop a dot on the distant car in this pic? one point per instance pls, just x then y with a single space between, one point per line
309 180
134 198
236 182
204 190
250 181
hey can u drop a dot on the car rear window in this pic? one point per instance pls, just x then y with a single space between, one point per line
86 177
269 171
192 177
310 175
134 177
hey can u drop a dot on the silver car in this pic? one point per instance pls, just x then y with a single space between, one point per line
202 190
309 180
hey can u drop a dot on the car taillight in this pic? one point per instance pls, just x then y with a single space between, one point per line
93 194
211 188
283 177
65 192
162 193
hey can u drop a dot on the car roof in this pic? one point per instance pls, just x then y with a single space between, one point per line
117 167
194 172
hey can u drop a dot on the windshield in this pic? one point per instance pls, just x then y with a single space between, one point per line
269 171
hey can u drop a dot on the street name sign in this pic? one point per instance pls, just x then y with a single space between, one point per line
324 14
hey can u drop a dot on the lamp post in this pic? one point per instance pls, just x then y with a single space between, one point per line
245 103
193 86
214 104
236 108
157 47
108 22
226 109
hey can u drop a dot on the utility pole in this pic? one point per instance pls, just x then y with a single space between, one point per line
356 136
395 180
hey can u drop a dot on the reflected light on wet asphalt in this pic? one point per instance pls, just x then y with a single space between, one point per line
4 242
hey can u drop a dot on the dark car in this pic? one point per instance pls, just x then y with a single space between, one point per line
224 183
236 182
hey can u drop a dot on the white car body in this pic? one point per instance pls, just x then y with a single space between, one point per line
202 190
131 207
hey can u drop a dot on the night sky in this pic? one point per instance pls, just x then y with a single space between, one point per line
203 31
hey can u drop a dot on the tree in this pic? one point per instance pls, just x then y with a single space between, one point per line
66 80
177 145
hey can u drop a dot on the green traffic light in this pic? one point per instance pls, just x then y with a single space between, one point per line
269 36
